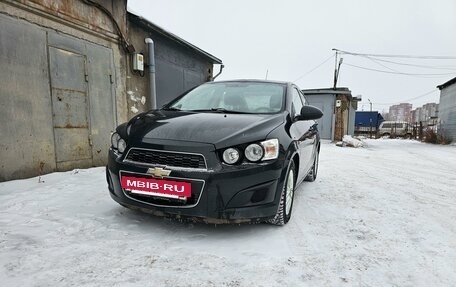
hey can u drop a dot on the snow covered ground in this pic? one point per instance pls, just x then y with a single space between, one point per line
381 215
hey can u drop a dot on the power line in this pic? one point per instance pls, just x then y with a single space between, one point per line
406 100
397 56
384 66
420 96
389 70
319 65
398 73
414 65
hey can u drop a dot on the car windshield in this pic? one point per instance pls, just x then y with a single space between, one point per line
234 97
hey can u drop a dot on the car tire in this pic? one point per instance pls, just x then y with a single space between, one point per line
286 197
312 175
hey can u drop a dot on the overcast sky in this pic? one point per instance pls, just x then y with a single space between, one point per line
290 38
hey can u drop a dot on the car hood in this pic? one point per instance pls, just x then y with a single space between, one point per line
219 129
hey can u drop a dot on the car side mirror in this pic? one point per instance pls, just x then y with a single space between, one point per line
309 113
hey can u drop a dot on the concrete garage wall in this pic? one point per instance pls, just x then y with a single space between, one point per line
63 85
325 102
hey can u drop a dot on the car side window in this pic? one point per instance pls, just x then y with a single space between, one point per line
297 104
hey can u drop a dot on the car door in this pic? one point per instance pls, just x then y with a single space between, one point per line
301 134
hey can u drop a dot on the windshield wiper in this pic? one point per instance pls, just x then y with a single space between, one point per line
217 110
223 110
171 109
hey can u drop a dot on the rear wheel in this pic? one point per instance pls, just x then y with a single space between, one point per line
286 198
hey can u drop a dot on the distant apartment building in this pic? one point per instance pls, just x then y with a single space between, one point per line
416 115
430 110
400 112
427 115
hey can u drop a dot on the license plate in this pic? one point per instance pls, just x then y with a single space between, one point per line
157 187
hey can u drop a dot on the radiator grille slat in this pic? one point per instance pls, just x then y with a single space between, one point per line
166 158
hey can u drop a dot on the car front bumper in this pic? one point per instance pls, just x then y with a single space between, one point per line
223 194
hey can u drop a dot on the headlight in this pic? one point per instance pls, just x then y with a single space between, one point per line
115 139
121 146
271 149
254 152
118 143
231 155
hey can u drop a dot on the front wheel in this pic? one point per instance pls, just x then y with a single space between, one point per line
286 198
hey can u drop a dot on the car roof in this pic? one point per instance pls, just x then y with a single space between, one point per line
397 122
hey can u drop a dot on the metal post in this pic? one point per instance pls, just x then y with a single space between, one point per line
338 71
335 71
421 131
336 68
370 114
152 89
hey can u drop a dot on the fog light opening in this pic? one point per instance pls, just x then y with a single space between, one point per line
259 195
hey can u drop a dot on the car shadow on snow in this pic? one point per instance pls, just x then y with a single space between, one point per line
146 221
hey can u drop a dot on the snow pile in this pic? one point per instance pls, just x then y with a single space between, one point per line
383 215
350 141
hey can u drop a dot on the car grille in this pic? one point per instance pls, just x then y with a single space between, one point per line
166 158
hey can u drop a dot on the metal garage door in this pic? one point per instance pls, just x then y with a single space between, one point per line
83 101
70 108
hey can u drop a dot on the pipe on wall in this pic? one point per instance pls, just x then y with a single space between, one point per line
221 69
152 90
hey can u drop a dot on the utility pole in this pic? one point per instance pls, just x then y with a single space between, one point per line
370 115
336 68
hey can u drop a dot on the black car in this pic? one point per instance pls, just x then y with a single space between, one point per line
231 151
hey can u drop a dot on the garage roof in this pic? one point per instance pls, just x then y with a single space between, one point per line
141 20
444 85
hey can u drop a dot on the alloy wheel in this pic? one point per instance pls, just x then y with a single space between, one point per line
289 192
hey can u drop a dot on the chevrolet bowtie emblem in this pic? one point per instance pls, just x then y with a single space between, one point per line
158 172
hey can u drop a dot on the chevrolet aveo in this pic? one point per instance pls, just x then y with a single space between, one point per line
223 152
